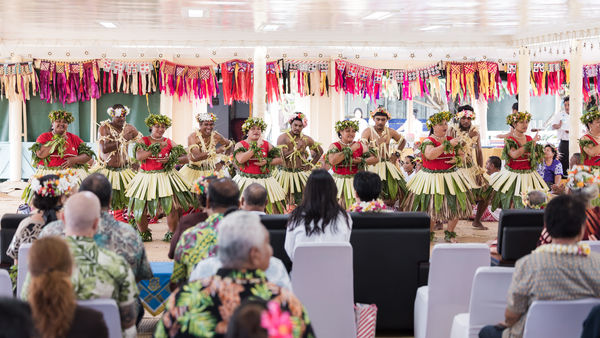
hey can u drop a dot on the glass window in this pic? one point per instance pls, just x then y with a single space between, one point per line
4 120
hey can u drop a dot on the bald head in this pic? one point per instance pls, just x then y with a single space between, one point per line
82 214
254 198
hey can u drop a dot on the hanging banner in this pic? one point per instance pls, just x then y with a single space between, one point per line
18 81
238 81
68 82
590 76
473 79
548 78
511 78
129 77
198 82
273 90
306 78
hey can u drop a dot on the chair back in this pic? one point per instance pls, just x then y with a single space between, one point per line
8 226
110 312
594 245
322 279
557 318
23 266
488 297
277 227
5 284
451 275
518 232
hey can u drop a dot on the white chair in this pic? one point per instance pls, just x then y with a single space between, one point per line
448 288
22 266
557 318
5 284
488 302
110 312
322 278
594 245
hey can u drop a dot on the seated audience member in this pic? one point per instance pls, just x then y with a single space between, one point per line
535 200
367 188
53 304
198 242
574 160
203 308
409 167
482 210
254 199
551 169
591 325
112 235
542 275
319 217
15 319
247 319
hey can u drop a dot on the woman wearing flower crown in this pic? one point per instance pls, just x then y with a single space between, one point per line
347 157
590 142
522 155
206 148
57 150
158 185
440 189
255 158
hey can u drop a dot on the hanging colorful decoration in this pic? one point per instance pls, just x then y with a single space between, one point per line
307 78
590 77
18 81
273 73
68 82
478 79
130 77
238 81
198 82
511 78
548 78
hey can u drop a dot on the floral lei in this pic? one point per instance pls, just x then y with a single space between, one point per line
564 249
61 115
371 206
298 115
342 125
253 121
465 113
438 118
118 112
581 176
513 118
154 119
54 188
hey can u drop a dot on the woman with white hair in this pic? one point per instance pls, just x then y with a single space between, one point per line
203 308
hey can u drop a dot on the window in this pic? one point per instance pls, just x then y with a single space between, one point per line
4 120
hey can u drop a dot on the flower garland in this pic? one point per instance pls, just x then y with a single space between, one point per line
54 188
590 115
298 115
61 115
579 249
201 185
277 323
253 121
154 119
371 206
581 176
206 117
513 118
465 113
342 125
381 111
118 112
438 118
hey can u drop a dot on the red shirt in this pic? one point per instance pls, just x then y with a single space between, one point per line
72 144
151 163
250 167
353 168
521 163
440 162
592 161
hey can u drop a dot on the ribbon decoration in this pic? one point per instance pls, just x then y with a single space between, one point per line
590 73
307 78
130 77
68 82
511 78
273 73
18 81
238 81
548 78
198 82
478 79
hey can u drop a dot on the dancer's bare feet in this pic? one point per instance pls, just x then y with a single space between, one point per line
439 225
479 226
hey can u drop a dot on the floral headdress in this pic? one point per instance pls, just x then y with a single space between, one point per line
438 118
201 185
341 125
465 113
590 115
61 115
298 115
118 112
277 323
64 185
154 119
580 177
206 117
513 118
253 121
381 111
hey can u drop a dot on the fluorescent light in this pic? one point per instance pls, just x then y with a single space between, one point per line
503 23
430 28
269 28
108 24
223 3
195 13
378 16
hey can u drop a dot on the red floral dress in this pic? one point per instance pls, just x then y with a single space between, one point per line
439 164
250 167
521 163
342 169
151 163
72 145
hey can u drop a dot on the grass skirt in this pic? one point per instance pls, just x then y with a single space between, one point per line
191 173
345 189
393 183
119 178
477 181
291 181
508 185
444 195
153 190
275 194
80 175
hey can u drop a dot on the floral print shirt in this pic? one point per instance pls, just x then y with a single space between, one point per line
27 232
195 244
115 236
204 307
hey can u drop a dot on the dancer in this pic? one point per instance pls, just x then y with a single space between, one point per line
255 159
57 150
158 186
115 135
589 144
347 157
519 175
206 149
440 189
379 137
296 168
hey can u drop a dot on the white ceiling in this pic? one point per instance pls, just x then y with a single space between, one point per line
426 26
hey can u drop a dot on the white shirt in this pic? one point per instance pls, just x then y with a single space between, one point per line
298 235
562 133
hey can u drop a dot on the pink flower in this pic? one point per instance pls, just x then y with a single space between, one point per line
278 324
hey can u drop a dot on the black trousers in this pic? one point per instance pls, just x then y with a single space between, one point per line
491 331
563 149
